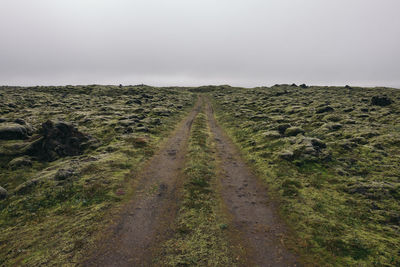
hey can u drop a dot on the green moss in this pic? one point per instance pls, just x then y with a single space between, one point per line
341 209
200 238
46 221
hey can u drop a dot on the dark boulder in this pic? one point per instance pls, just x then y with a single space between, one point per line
59 139
282 127
381 101
324 109
3 193
14 132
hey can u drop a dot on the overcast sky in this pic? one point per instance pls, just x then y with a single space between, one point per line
196 42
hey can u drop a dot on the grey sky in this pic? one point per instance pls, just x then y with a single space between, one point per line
195 42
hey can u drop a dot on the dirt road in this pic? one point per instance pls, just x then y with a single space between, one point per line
146 219
253 215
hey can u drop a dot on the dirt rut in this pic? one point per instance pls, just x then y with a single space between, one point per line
146 219
254 217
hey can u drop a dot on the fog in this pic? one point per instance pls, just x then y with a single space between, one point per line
192 42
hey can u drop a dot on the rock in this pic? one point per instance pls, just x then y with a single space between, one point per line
20 121
13 132
59 139
324 109
349 121
309 148
271 134
20 162
359 140
333 126
315 142
347 144
347 110
293 131
286 155
161 111
304 86
142 129
3 193
27 186
372 190
63 174
381 101
282 128
333 118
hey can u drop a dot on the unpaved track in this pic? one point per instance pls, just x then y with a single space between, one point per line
146 219
253 216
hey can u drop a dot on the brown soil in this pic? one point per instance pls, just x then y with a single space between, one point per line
254 216
144 222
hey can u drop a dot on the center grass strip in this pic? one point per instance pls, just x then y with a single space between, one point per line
200 236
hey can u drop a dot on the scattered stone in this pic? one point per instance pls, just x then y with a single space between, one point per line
333 118
63 174
161 111
3 193
286 155
347 110
27 186
293 131
20 162
20 121
372 190
282 128
142 129
306 148
381 101
272 134
324 109
333 126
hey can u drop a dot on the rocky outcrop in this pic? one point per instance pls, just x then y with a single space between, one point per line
381 101
306 148
59 139
14 131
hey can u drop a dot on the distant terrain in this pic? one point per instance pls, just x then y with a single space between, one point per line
285 175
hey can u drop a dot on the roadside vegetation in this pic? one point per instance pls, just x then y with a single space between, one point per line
68 158
200 231
331 158
329 155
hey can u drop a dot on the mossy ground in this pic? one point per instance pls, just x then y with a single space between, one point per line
50 221
344 209
342 202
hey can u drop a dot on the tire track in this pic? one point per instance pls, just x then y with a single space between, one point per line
254 217
145 221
